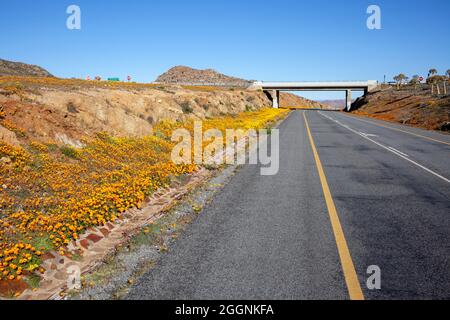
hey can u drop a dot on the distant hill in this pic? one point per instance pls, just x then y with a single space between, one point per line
334 104
187 75
292 100
10 68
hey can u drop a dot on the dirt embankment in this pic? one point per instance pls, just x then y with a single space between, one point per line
64 111
415 107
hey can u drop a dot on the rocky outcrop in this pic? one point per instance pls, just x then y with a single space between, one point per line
8 136
10 68
187 75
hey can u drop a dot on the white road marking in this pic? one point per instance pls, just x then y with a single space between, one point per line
368 134
398 151
373 122
394 151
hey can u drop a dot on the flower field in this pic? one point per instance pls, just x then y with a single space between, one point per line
50 194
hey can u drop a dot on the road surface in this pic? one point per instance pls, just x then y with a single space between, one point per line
351 193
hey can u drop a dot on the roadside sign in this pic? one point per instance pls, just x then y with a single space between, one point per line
420 78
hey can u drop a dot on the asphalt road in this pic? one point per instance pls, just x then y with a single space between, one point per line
271 237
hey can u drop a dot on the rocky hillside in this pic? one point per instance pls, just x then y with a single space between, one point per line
35 105
187 75
65 111
10 68
416 107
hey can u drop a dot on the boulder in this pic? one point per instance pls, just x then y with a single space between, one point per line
8 137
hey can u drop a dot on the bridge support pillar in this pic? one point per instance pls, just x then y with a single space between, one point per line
348 100
276 99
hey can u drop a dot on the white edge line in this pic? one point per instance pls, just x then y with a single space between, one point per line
373 121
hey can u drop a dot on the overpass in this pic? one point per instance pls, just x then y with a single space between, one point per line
272 89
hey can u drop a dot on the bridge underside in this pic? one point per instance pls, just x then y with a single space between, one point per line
272 89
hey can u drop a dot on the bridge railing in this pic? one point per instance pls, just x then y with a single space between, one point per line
321 81
210 84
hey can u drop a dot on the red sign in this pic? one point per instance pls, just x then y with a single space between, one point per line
420 78
129 78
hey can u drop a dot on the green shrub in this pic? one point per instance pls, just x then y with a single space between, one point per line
186 107
71 107
69 152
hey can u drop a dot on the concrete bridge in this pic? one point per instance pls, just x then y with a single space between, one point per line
272 89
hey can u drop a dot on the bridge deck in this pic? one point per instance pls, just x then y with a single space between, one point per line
330 85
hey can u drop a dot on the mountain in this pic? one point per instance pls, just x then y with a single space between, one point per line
187 75
10 68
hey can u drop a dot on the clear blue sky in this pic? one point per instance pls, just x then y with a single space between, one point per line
253 39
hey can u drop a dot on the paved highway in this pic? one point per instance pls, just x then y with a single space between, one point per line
351 193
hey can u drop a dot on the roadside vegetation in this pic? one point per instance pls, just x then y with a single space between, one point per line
50 194
437 84
416 101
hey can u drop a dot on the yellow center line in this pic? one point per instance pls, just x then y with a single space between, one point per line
396 129
351 279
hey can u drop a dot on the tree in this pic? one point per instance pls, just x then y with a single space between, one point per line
415 80
399 79
432 72
434 81
446 79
